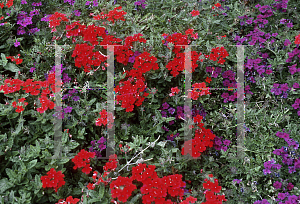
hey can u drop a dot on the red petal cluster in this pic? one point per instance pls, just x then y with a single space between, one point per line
210 195
82 160
53 179
199 144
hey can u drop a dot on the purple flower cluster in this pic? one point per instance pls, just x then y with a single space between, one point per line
23 20
37 4
269 165
282 5
77 13
293 69
229 81
297 104
71 2
140 3
46 18
172 137
296 51
237 181
282 90
132 58
98 146
95 3
215 73
287 153
218 144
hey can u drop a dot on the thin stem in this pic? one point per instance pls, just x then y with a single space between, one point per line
128 163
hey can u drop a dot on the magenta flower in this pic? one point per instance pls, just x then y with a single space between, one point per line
17 43
277 185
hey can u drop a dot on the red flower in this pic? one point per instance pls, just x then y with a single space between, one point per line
195 13
218 5
53 179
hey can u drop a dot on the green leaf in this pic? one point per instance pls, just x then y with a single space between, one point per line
11 67
11 174
162 143
4 60
32 163
101 191
5 184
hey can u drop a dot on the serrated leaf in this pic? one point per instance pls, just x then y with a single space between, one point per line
11 67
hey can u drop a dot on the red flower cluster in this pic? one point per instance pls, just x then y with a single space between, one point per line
53 179
112 15
8 4
122 188
131 94
143 63
177 64
13 59
19 108
210 195
218 52
32 87
112 164
69 200
194 94
82 160
297 39
174 90
56 18
199 144
85 56
103 119
154 188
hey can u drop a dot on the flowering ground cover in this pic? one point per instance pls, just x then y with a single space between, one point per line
149 102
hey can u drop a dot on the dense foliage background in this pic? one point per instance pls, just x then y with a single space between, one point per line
268 29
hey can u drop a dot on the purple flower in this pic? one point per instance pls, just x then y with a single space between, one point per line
284 87
277 185
77 13
87 3
281 196
163 114
91 149
224 148
101 140
237 181
226 142
171 122
289 25
23 2
282 21
32 69
73 91
95 3
287 42
76 98
68 109
171 110
296 85
242 23
165 105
